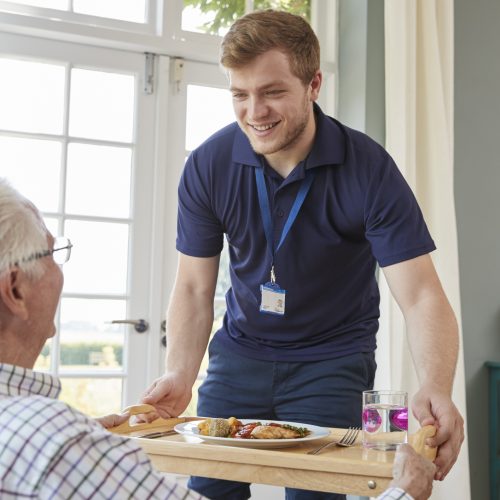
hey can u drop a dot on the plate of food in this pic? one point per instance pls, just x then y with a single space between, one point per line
252 433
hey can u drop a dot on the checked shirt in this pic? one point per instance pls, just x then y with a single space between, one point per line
50 450
394 494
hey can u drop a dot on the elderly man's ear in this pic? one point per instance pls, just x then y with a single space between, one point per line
14 286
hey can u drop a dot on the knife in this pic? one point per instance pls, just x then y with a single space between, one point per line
154 435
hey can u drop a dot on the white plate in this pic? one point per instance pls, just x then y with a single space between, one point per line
191 429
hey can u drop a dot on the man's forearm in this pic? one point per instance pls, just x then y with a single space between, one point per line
189 324
433 338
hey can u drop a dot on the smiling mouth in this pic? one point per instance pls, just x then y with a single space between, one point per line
263 128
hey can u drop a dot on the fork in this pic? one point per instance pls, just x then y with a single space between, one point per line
348 439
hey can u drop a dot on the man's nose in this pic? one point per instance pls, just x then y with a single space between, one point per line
257 108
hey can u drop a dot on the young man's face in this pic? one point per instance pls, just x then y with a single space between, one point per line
273 107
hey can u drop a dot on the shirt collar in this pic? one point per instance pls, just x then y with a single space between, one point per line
329 144
328 148
19 381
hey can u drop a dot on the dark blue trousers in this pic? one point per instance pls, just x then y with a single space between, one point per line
325 393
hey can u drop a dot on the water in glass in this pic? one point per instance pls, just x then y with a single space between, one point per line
385 419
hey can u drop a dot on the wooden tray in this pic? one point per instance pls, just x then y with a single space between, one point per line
354 470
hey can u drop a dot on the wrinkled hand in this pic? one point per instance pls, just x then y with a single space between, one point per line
169 394
413 473
108 421
434 407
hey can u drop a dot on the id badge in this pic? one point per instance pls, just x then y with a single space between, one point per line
273 299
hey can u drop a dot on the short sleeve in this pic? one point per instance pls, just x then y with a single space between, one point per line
395 226
199 232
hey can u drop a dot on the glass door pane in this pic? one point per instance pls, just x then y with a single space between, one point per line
34 164
31 95
74 154
207 110
101 105
203 101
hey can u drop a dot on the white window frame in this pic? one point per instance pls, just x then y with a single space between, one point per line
160 34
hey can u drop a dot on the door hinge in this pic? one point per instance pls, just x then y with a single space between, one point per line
177 72
149 73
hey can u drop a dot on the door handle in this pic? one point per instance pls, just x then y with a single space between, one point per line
140 325
164 329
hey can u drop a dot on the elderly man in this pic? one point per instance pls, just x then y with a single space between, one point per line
47 448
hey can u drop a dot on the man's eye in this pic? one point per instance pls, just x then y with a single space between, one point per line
239 95
274 92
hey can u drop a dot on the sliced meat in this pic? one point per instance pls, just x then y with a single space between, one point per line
273 432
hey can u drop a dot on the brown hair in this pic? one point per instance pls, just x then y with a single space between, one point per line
258 32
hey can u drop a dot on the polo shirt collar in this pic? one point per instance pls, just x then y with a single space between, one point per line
328 148
329 144
243 152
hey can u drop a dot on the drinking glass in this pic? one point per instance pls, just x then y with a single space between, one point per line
385 419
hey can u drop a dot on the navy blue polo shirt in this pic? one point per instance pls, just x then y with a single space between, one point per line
358 211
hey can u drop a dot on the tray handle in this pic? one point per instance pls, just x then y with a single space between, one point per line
417 441
126 427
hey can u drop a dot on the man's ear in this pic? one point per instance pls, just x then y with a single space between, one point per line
315 85
13 287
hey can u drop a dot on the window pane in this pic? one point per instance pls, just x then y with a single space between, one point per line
101 105
99 256
111 193
223 279
216 17
208 110
125 10
301 8
49 4
52 225
219 310
190 411
44 359
33 167
93 396
207 18
88 339
28 107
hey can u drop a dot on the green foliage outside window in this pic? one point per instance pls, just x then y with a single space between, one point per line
84 354
227 11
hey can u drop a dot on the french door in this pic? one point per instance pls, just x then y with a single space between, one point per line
199 104
77 135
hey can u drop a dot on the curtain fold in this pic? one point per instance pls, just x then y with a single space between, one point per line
419 135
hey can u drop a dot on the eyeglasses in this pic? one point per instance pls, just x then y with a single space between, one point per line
60 253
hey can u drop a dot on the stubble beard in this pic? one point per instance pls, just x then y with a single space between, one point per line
291 138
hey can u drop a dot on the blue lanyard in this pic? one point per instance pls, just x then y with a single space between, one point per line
266 212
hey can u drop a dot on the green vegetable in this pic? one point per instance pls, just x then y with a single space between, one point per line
303 431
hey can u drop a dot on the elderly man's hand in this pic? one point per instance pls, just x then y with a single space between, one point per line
108 421
413 473
433 407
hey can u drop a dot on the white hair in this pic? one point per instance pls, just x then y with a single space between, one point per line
22 232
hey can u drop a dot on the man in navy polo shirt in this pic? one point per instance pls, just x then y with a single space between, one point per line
308 208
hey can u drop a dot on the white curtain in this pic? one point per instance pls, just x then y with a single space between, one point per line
419 134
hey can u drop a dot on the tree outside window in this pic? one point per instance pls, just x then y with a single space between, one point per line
220 14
